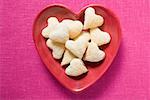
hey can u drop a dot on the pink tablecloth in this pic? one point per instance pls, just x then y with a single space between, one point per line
23 76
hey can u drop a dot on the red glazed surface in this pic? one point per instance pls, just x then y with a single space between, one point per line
96 70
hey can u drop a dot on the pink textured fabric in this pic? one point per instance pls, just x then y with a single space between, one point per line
23 76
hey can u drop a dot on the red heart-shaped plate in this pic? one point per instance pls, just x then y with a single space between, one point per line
96 70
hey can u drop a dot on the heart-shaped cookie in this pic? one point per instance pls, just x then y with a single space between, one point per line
93 53
76 68
111 26
68 56
60 34
57 48
92 20
52 23
78 46
99 37
75 27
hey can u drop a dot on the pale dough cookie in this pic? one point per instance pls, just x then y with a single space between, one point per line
76 68
93 53
78 46
92 20
75 27
99 37
68 56
52 24
57 48
60 34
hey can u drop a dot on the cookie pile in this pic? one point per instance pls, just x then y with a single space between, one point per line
74 42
